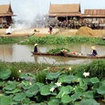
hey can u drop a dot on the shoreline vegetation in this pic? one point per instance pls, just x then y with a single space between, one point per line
78 85
52 40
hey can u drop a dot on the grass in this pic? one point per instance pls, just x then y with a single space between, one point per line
56 39
10 40
52 40
30 67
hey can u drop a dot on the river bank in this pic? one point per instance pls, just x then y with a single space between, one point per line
41 32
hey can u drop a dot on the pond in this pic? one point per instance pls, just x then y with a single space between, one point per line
22 53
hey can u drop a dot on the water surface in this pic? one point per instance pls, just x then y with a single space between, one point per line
22 53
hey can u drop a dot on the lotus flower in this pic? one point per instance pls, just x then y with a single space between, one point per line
86 74
52 89
58 84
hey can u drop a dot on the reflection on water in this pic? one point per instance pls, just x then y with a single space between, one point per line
22 53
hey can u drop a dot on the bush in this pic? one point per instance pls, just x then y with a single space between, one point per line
97 69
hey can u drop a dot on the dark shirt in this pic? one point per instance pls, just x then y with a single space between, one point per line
35 49
50 28
94 53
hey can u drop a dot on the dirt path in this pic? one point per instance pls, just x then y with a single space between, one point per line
41 32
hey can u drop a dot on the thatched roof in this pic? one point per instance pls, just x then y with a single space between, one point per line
5 10
94 13
64 9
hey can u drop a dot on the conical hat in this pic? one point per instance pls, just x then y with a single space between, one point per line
35 44
93 47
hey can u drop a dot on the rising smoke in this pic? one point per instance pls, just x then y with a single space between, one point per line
29 13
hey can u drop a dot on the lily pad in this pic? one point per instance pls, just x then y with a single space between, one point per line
45 90
5 74
33 90
5 100
52 76
66 78
89 102
101 90
64 90
94 80
19 97
10 85
54 102
66 99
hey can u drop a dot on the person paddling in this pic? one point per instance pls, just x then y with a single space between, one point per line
35 48
94 52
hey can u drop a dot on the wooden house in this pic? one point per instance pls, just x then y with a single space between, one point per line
64 11
6 14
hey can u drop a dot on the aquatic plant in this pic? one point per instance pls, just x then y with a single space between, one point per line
58 88
57 39
58 50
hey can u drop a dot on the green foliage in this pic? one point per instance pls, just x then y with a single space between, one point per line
59 88
97 68
5 100
8 40
55 39
89 102
41 76
14 73
5 74
19 97
57 50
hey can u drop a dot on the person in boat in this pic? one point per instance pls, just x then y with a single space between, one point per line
94 52
35 48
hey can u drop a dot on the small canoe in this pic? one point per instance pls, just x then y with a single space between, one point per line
46 54
70 55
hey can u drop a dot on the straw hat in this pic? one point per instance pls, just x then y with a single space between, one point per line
93 47
35 44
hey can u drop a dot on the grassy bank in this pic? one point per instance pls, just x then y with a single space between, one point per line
96 67
10 40
56 39
52 39
30 67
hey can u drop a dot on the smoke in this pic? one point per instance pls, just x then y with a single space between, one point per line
29 13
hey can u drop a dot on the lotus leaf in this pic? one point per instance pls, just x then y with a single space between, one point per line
33 90
78 89
89 102
76 96
89 94
54 102
5 100
39 84
66 99
66 78
94 80
5 74
64 90
45 90
27 76
10 85
19 97
101 90
13 91
26 84
52 76
83 85
1 83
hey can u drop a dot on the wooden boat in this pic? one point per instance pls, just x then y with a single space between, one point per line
46 54
70 55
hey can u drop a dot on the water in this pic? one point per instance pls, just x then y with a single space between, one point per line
22 53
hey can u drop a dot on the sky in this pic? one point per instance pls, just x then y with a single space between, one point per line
28 9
